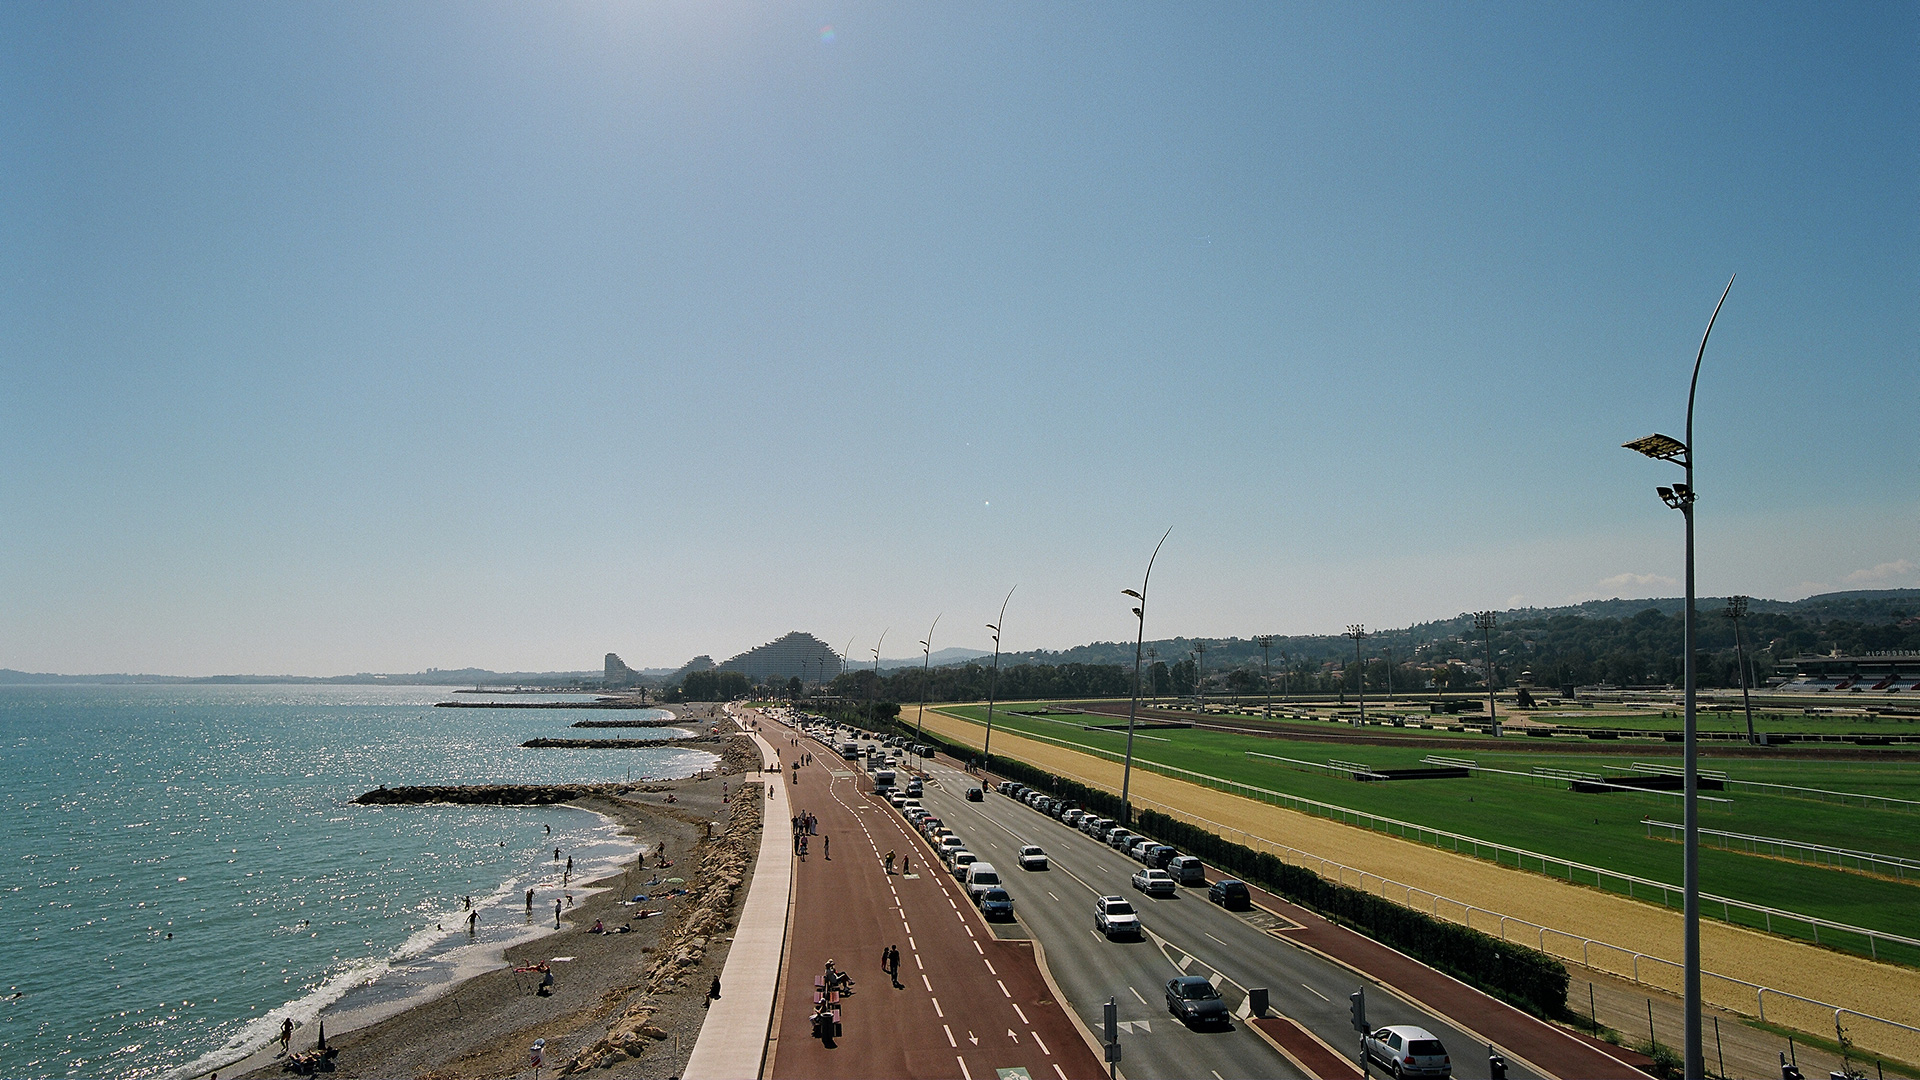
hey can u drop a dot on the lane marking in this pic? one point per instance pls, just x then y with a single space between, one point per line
1023 1016
937 1010
1049 892
978 949
1059 1070
950 1041
903 922
916 957
989 964
1136 995
1217 939
1035 1036
929 982
912 946
1314 992
1009 993
1216 1074
963 1068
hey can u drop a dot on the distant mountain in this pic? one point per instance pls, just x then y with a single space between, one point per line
940 658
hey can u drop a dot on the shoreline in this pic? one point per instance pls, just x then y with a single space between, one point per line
474 1016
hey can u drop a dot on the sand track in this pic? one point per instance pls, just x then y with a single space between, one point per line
1851 982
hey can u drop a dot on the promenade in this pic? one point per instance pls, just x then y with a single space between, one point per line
968 1005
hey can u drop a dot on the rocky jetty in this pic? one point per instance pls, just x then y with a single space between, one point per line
671 721
704 742
596 703
490 794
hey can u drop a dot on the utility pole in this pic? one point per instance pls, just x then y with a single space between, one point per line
926 679
1200 675
1139 613
993 681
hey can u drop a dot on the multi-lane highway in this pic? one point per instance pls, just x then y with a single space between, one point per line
1185 934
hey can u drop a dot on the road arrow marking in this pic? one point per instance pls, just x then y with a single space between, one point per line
972 1038
1012 1034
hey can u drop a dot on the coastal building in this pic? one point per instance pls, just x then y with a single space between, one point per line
618 673
794 655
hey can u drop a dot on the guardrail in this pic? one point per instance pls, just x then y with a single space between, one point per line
1867 861
1887 801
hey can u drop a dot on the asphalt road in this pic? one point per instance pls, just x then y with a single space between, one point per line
1185 935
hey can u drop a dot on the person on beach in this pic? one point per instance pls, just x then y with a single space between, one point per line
569 866
556 854
713 991
286 1034
473 918
556 914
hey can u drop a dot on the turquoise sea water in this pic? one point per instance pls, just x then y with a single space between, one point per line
219 815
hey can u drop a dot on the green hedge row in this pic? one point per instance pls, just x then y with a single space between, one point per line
1524 977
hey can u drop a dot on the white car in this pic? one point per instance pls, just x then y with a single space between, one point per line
1406 1050
1114 917
1033 858
1153 882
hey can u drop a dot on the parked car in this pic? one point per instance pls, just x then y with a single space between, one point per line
1193 999
1160 856
1153 882
1139 846
1072 816
1187 870
1114 917
949 844
1405 1050
1230 894
915 788
981 876
1120 839
1033 858
958 859
996 904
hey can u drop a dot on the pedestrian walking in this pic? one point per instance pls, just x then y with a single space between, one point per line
906 865
556 914
826 847
890 959
889 862
473 917
286 1033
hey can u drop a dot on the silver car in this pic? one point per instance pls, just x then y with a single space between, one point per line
1405 1050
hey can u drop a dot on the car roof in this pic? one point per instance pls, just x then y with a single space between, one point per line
1189 980
1409 1031
1031 848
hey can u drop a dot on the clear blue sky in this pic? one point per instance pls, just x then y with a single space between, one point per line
386 336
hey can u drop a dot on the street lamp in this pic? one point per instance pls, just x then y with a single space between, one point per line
1200 674
1357 632
1266 660
873 697
1140 613
993 683
1483 621
926 678
1153 665
1681 497
1737 610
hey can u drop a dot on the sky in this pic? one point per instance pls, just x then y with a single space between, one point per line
387 336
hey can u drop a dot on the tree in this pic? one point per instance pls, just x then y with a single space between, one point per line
1182 678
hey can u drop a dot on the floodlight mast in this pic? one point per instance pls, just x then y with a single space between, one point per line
1681 497
1483 621
1266 659
993 683
1140 613
1736 611
1358 632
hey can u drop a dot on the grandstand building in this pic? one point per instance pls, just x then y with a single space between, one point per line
796 654
1888 672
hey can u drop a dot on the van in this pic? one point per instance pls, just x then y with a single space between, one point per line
980 877
1186 870
882 781
850 751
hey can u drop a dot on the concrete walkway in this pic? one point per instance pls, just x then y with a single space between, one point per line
733 1040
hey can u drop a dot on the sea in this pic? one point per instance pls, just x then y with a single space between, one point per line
185 868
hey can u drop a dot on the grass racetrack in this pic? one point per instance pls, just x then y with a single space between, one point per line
1599 829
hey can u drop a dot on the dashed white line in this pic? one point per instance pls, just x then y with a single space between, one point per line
1136 994
978 949
916 958
1023 1016
989 964
1035 1036
950 1041
963 1068
1059 1070
1217 939
1055 898
937 1010
1314 992
929 982
1004 990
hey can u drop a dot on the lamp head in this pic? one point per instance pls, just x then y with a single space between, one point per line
1130 592
1136 611
1661 447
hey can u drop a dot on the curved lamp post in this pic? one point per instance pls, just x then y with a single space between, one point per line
873 699
1681 497
926 677
993 681
1140 613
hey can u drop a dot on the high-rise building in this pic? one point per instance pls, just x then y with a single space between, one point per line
618 673
795 654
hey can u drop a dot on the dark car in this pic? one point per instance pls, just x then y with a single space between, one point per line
1195 1002
974 794
996 904
1230 894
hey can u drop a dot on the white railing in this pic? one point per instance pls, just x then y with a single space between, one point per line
1868 861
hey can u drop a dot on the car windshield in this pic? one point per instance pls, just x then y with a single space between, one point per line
1031 851
1200 990
1119 907
1425 1047
996 894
